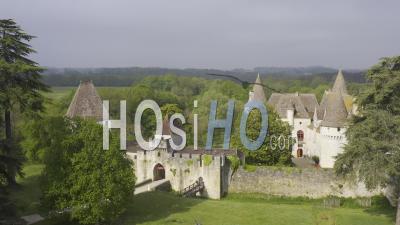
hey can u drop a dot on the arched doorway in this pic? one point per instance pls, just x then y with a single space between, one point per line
158 172
299 153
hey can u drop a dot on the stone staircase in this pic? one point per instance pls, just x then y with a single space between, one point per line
194 188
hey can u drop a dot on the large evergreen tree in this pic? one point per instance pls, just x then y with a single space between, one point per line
373 150
20 87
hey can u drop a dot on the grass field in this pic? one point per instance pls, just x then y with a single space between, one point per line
167 208
26 196
57 93
164 208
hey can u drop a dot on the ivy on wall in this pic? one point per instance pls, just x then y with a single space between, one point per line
207 160
189 162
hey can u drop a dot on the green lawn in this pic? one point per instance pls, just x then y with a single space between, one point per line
57 93
26 196
167 208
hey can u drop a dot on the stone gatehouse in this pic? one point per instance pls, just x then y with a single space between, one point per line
183 168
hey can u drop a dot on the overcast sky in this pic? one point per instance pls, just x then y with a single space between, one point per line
218 34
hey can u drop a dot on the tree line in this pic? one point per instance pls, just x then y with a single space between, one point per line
70 77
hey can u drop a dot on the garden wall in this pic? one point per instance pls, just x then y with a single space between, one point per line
288 181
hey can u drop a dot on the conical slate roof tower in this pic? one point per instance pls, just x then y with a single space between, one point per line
336 104
258 91
340 84
335 113
86 102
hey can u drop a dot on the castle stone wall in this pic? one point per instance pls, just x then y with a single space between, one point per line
294 182
181 170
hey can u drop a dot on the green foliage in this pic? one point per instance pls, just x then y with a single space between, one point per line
152 208
372 151
102 181
384 92
222 91
26 197
372 154
20 92
250 168
207 160
168 110
44 136
269 153
234 161
79 175
189 162
315 159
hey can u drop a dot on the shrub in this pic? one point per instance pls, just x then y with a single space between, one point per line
315 159
235 162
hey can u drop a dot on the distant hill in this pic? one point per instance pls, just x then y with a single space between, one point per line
129 75
295 70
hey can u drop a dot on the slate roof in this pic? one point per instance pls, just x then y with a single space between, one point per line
322 106
258 90
333 110
340 84
86 102
336 104
335 113
303 104
310 102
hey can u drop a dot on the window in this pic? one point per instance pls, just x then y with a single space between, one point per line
300 135
338 129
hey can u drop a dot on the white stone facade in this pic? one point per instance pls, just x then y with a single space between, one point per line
318 128
324 142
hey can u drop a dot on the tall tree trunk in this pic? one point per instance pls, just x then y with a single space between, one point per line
398 211
12 169
7 118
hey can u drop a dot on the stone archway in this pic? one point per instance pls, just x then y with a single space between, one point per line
158 172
